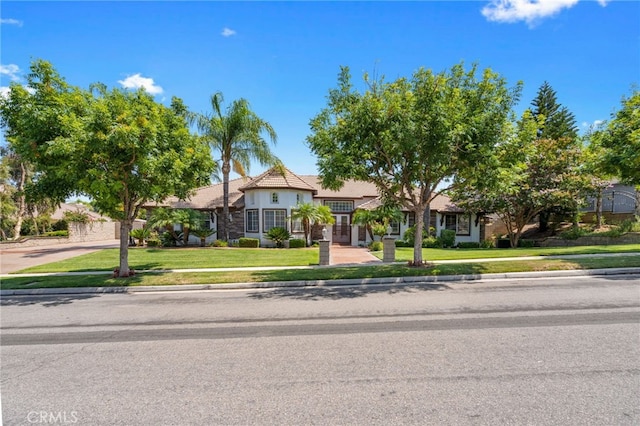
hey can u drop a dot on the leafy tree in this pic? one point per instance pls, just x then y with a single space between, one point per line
554 122
120 148
530 175
310 214
620 142
411 135
237 137
190 220
378 218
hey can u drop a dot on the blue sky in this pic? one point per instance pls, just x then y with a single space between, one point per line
285 56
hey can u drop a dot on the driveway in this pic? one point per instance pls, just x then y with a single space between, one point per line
15 259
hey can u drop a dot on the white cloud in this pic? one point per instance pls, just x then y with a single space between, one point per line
136 81
592 126
10 21
603 3
227 32
10 71
4 92
530 11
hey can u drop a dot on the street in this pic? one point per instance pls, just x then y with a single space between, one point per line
554 351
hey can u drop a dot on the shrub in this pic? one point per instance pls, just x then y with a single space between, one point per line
56 234
219 243
410 234
297 243
153 240
573 233
61 225
630 225
447 238
376 246
278 235
526 243
167 239
468 245
249 242
400 243
487 244
431 242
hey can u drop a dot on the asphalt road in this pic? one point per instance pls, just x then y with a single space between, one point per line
531 351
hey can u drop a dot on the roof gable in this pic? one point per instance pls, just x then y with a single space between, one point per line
278 179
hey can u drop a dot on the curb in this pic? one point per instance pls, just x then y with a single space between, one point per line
423 280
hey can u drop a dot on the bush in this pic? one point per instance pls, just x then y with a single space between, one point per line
167 239
630 225
153 240
278 235
60 225
468 245
56 234
249 243
574 233
376 246
219 243
431 242
526 243
400 243
297 243
447 238
487 244
409 235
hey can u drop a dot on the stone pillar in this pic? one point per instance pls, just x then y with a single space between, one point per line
325 255
388 249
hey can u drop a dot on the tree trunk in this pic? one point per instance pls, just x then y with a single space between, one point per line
417 244
599 209
226 168
637 209
125 228
22 202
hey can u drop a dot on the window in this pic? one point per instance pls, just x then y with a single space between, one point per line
461 223
273 219
340 206
274 198
411 219
464 224
252 198
395 227
296 225
299 199
252 221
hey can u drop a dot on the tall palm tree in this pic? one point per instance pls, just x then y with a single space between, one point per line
237 136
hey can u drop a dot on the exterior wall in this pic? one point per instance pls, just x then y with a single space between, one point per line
616 199
94 231
261 199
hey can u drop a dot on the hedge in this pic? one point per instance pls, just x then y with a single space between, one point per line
249 242
297 243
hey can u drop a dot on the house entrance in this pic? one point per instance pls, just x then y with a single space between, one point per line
341 233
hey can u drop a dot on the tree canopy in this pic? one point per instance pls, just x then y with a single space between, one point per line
120 148
410 135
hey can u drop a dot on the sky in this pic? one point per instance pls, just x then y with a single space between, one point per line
283 57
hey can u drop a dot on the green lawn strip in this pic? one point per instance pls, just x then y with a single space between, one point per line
378 271
406 253
182 258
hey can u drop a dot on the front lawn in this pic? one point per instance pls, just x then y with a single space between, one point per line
406 253
334 273
183 258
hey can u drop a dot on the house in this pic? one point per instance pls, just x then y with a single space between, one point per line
266 201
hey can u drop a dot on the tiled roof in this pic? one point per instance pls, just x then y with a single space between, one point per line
58 214
440 203
351 189
274 178
211 197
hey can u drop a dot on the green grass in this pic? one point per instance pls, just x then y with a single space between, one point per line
182 258
406 253
378 271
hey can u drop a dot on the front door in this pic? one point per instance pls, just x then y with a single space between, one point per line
341 230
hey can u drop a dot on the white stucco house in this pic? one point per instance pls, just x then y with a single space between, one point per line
266 201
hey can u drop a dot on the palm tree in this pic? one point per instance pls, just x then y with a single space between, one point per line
310 214
237 136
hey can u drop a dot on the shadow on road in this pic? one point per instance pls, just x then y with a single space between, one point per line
45 301
336 293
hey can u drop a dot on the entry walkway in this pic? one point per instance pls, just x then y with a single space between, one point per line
345 255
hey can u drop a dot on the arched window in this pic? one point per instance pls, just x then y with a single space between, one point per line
274 198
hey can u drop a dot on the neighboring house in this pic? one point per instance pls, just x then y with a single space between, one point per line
77 208
266 201
618 203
